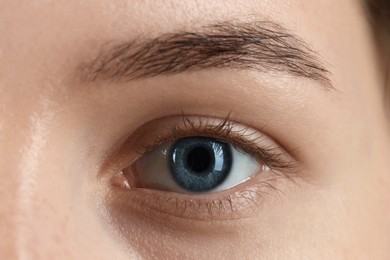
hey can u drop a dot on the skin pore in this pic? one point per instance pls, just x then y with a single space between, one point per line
88 88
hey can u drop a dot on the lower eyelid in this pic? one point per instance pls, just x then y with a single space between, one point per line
243 201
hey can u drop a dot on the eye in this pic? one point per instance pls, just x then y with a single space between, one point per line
193 165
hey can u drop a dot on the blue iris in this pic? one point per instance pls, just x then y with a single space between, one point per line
200 164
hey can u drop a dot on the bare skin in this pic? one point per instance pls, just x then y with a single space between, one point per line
64 139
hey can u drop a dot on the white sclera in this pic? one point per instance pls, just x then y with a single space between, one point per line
154 171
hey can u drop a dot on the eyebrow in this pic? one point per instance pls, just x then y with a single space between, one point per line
262 46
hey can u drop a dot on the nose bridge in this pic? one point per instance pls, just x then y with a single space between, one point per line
23 140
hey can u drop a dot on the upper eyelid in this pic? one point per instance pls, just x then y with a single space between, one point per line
133 145
272 155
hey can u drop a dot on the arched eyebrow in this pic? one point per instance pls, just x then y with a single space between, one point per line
264 46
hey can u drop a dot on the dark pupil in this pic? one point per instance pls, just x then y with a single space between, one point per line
200 164
199 159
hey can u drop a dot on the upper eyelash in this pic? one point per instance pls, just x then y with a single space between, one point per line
224 130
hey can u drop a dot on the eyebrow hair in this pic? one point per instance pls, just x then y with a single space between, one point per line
264 46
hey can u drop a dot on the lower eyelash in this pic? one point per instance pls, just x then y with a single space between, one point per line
226 205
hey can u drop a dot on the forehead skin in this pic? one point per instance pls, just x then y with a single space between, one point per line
52 128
